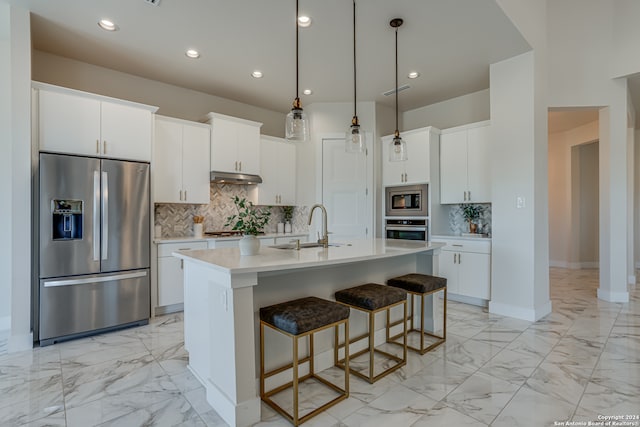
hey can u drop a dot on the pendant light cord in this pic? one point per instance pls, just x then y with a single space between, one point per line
297 73
355 108
397 132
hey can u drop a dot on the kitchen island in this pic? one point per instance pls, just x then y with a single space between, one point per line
224 291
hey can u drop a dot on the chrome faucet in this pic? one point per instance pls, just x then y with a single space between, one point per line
324 240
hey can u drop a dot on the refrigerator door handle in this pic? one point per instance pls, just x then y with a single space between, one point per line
84 281
105 214
96 216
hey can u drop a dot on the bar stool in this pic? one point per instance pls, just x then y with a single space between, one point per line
372 298
298 319
422 285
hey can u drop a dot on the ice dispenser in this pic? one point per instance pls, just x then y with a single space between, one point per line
67 219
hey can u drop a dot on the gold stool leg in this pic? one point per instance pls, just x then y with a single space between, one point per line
295 381
371 345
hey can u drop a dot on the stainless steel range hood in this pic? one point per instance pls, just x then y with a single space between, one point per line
234 178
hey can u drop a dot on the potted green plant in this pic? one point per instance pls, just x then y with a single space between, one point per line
471 213
288 214
250 221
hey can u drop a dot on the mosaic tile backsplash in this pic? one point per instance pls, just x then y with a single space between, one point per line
176 220
459 225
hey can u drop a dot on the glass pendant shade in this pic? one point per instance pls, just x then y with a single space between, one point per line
354 141
397 149
297 125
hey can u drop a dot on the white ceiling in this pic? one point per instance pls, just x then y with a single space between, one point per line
450 42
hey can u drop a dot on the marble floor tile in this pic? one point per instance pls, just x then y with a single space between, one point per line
559 381
580 361
472 353
438 379
529 408
442 415
481 397
512 366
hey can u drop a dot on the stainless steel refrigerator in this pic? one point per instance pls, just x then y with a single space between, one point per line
94 242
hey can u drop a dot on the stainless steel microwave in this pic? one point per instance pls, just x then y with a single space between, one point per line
407 200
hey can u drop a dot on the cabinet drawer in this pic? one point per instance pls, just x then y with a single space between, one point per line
461 245
166 249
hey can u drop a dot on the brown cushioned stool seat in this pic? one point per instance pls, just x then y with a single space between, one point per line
418 283
372 298
299 319
304 314
422 285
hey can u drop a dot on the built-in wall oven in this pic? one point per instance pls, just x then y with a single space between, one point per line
407 201
407 229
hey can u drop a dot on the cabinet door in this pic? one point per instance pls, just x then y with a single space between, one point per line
453 167
392 172
248 148
170 281
195 164
287 174
167 162
475 275
68 123
417 165
268 190
126 132
223 146
448 268
479 168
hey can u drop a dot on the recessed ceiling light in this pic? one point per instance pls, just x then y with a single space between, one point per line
192 53
307 92
108 25
413 75
304 21
257 74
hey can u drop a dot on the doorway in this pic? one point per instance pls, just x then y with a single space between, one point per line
347 192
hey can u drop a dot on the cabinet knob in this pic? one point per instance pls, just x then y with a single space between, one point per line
104 147
185 195
97 146
240 164
235 168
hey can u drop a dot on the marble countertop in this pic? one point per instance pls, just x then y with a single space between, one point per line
207 238
228 260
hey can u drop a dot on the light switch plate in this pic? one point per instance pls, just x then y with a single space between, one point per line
520 202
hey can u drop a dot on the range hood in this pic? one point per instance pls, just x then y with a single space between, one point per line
234 178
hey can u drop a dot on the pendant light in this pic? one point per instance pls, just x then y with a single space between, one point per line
354 141
297 123
398 148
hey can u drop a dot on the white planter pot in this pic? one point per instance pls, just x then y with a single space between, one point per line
249 245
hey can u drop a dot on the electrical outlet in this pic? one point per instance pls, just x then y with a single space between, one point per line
520 202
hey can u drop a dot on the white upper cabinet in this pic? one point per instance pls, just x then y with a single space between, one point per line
416 168
465 164
278 172
181 161
75 122
235 144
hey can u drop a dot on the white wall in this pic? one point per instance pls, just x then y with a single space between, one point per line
5 166
625 38
470 108
15 173
519 281
173 101
564 241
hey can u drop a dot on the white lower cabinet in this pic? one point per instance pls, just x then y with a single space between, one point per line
466 264
170 272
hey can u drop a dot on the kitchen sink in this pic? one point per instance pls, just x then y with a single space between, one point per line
302 245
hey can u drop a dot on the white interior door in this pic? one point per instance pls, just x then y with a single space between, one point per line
346 192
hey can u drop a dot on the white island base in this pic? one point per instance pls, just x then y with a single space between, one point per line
224 292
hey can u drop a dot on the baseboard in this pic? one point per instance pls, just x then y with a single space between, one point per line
508 310
607 295
168 309
5 324
574 265
20 342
